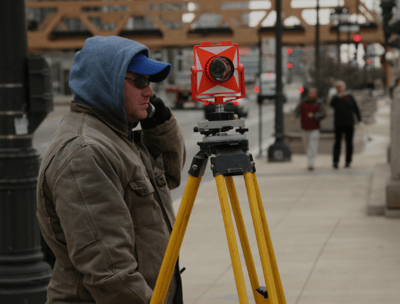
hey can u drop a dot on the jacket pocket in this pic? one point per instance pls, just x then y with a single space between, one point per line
141 185
140 199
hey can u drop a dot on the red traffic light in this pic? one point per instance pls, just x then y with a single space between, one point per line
289 51
357 38
289 65
301 90
368 61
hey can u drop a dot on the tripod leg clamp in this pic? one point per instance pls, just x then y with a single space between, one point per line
198 165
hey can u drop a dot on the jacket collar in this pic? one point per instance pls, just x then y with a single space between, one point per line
115 124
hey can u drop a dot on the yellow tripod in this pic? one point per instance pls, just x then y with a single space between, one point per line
229 157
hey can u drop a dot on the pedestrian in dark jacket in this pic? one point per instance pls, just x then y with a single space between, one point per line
345 108
311 112
103 196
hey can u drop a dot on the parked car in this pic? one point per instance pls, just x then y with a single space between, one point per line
242 110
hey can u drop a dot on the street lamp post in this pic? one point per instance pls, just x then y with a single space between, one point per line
356 45
387 7
24 275
339 15
279 151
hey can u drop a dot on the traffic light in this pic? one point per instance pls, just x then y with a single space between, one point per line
368 61
290 64
357 38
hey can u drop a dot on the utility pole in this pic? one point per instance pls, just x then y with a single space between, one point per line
25 100
317 72
260 99
279 151
356 44
338 43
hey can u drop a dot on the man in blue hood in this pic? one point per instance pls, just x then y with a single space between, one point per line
104 206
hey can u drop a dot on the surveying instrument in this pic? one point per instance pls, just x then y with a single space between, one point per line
218 75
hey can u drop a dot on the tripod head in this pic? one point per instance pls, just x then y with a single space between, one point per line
229 152
220 122
219 127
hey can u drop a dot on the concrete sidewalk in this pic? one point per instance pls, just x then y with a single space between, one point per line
327 248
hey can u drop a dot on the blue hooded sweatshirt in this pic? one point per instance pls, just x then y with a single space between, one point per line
98 73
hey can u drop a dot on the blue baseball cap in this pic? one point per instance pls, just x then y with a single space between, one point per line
142 65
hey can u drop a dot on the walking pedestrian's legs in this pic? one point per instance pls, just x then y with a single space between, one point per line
349 131
313 147
306 142
337 145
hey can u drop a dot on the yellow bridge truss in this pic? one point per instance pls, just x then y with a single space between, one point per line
177 23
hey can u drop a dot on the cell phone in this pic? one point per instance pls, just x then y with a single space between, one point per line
150 110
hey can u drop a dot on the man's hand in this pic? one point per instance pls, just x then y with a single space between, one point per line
293 119
161 115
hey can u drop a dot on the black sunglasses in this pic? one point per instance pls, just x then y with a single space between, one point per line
140 81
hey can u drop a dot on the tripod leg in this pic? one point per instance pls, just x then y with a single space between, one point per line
244 240
230 235
175 241
261 241
275 270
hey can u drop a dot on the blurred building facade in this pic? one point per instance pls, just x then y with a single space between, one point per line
181 58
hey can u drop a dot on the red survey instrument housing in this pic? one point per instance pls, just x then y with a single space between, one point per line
218 75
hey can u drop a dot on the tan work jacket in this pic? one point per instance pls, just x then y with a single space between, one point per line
105 209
